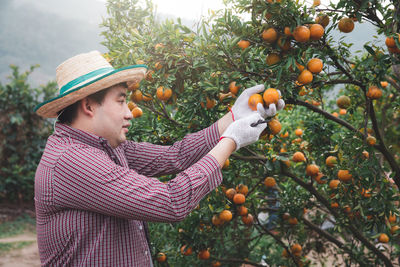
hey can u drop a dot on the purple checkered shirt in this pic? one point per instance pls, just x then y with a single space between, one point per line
92 200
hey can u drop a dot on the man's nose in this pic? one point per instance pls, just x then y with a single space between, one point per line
128 113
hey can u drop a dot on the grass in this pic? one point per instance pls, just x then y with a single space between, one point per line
21 224
5 247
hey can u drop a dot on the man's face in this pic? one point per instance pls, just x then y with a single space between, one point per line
112 117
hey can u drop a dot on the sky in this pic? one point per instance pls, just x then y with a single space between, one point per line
194 9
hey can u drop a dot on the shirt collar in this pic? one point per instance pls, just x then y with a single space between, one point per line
63 130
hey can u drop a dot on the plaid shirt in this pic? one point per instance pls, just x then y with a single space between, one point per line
92 200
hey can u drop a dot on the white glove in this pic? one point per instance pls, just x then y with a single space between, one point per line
242 133
241 107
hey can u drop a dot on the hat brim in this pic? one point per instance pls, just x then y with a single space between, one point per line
50 108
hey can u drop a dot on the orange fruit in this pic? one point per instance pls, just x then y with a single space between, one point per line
371 141
374 92
365 154
305 77
331 161
335 205
225 215
394 229
131 105
272 59
346 25
384 84
271 96
298 132
210 103
285 253
274 126
392 218
394 50
315 65
316 2
147 98
296 249
242 210
158 66
239 199
343 102
186 251
136 96
149 75
299 66
286 216
254 100
347 209
243 44
366 193
242 189
335 114
284 43
342 111
215 220
344 175
293 221
301 34
163 93
248 219
318 178
298 157
132 86
204 254
316 31
161 257
334 184
137 112
287 31
323 20
383 238
215 264
233 88
312 170
270 35
285 135
390 42
226 164
230 193
269 182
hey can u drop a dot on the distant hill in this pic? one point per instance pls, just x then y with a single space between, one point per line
47 32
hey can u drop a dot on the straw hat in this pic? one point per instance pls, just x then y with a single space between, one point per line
83 75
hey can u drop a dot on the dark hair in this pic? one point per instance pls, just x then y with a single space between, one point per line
68 114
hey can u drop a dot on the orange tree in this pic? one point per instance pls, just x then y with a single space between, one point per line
322 183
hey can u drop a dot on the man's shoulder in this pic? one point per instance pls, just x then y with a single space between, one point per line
59 146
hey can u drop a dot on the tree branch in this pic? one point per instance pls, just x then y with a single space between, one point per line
382 148
352 229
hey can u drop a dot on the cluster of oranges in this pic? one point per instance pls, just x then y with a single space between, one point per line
238 197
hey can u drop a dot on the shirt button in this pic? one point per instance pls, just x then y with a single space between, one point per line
145 252
140 227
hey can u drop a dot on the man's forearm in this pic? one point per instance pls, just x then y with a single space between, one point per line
224 122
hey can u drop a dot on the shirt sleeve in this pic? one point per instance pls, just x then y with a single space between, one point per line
155 160
86 178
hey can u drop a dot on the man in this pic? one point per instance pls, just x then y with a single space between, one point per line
94 190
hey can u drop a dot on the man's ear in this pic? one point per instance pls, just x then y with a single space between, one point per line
87 106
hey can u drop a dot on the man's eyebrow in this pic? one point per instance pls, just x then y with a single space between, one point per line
122 94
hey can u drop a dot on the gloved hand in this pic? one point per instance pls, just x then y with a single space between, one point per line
242 133
241 107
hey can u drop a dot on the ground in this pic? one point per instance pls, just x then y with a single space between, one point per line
18 246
